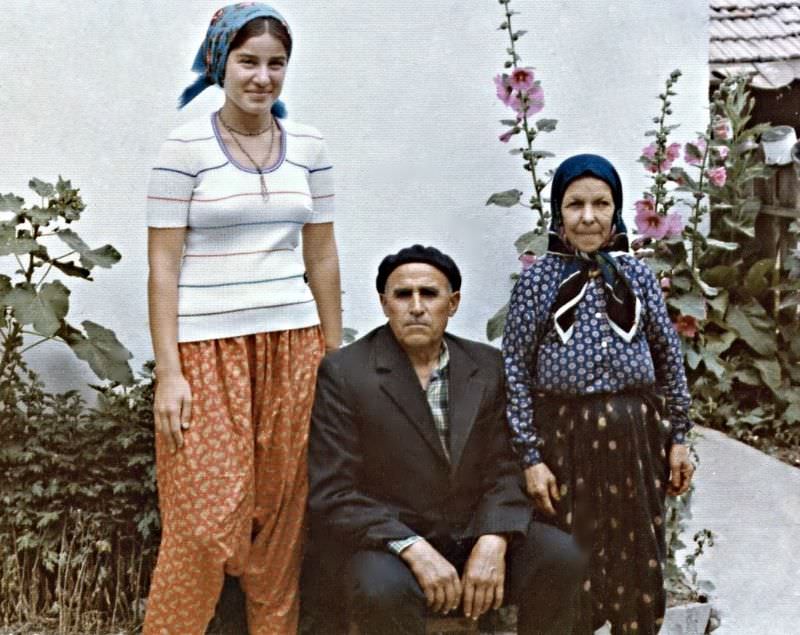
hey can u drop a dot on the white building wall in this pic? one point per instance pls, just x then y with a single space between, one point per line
402 91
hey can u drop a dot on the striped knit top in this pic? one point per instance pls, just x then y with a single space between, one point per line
242 270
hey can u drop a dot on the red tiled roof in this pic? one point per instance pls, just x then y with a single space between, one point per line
758 37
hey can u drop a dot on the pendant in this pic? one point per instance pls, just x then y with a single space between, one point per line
264 190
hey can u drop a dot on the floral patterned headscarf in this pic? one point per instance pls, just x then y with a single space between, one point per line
209 63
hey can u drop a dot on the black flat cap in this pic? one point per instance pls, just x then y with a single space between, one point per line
418 253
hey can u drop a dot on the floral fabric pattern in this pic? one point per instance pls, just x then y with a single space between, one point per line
233 499
595 360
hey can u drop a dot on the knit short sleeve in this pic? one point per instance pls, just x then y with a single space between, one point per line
320 180
172 181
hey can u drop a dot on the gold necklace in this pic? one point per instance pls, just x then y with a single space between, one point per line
259 168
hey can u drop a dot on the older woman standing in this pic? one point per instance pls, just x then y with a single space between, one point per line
597 397
240 317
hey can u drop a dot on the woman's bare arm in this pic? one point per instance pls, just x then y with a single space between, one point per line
322 266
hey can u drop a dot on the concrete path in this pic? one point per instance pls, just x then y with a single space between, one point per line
752 504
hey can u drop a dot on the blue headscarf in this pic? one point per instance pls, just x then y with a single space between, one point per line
209 63
579 166
623 308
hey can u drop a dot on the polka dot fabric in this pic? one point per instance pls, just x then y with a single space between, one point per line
595 359
609 457
233 498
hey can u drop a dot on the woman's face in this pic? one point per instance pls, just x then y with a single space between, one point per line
254 74
587 211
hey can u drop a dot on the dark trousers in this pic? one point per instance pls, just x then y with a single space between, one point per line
543 575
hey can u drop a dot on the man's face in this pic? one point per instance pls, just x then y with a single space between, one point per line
418 303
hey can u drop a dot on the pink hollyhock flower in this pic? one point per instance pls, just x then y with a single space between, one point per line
506 136
666 283
535 101
504 90
686 325
650 224
717 176
673 152
693 152
674 223
521 79
527 259
645 205
722 128
722 152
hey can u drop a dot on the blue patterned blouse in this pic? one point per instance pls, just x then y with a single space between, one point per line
595 359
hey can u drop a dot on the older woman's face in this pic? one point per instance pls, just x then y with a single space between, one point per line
587 211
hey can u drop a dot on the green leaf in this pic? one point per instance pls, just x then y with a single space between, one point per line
71 269
760 341
494 327
718 344
722 276
105 256
10 244
42 188
106 356
770 371
11 203
44 309
721 244
509 198
747 230
509 122
692 358
713 364
531 241
689 304
349 335
41 215
757 281
546 125
792 414
5 287
542 154
748 376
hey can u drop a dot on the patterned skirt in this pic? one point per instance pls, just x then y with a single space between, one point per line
609 456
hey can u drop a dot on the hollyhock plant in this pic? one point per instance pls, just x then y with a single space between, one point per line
504 89
672 152
527 259
686 325
653 225
717 176
528 102
693 151
521 79
722 152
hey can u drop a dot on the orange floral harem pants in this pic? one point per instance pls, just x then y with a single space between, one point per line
233 498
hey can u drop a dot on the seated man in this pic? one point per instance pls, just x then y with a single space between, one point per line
416 500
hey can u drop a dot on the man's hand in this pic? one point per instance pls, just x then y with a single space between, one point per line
542 488
437 577
681 470
484 575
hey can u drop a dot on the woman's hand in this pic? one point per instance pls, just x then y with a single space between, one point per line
172 408
681 470
542 488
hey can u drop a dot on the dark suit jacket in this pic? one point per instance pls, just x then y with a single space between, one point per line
377 469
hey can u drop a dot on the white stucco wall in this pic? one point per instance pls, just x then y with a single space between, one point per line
403 93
